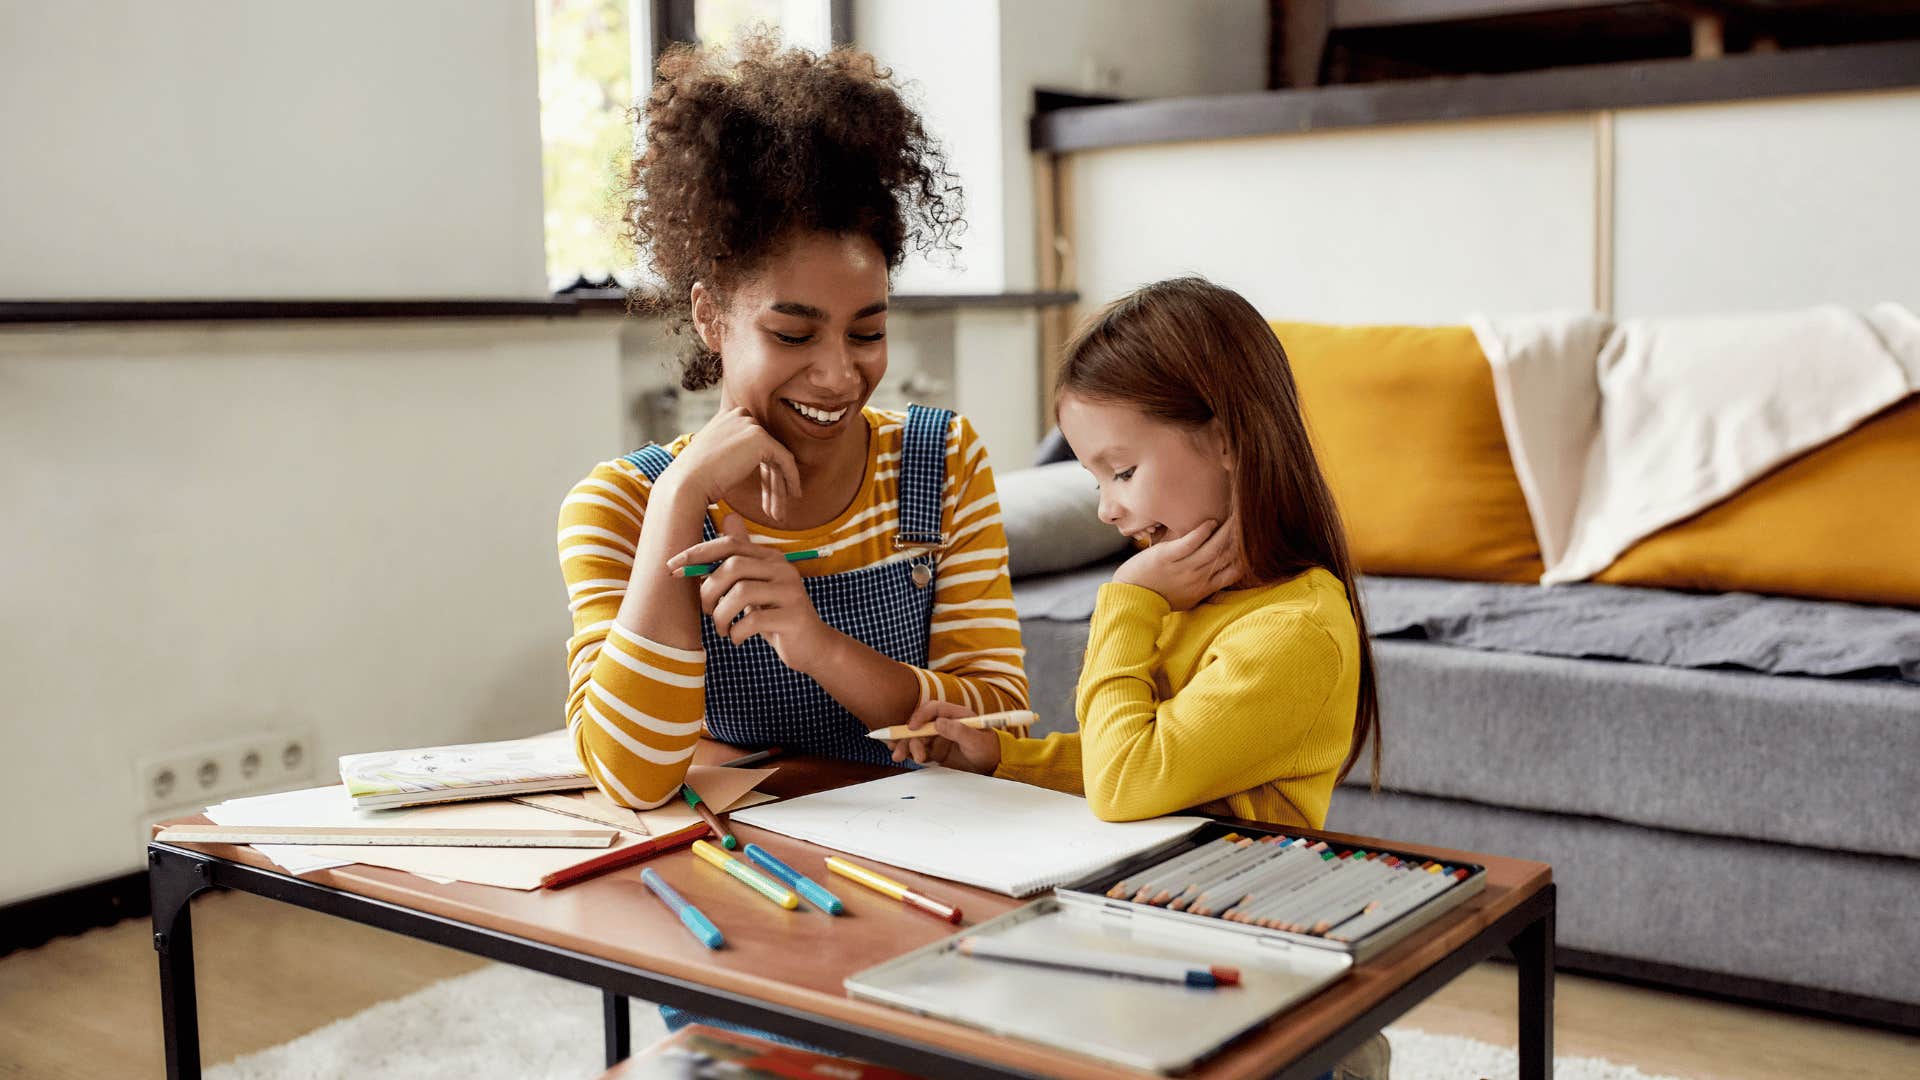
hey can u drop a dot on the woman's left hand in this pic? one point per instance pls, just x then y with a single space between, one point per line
755 584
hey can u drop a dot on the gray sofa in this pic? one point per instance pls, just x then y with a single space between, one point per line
1719 817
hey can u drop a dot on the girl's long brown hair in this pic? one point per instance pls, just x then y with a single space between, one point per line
1187 351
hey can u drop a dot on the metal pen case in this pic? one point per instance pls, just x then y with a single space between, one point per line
1091 891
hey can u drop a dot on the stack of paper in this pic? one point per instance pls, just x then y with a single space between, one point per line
511 868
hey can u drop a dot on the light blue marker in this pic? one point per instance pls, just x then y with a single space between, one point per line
701 927
795 880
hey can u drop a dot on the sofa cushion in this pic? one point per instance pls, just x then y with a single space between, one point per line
1809 917
1051 514
1770 634
1840 523
1814 761
1404 422
1818 762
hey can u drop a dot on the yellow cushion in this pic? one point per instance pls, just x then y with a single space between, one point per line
1838 523
1404 422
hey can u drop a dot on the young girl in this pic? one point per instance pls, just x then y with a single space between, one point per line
1228 668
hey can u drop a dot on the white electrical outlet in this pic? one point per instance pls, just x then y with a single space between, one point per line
197 776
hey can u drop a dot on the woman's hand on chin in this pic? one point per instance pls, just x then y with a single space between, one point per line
756 592
732 448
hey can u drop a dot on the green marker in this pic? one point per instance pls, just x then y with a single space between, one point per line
712 819
705 568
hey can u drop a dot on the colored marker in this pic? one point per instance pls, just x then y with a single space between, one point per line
747 875
1220 871
1308 864
1141 967
1163 887
697 924
700 807
1403 901
1126 887
795 880
984 722
702 569
754 758
888 887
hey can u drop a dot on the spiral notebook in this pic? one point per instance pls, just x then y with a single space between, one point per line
1009 837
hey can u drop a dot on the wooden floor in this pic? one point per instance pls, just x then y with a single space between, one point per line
88 1006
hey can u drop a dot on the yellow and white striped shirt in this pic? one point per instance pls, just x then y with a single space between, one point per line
634 705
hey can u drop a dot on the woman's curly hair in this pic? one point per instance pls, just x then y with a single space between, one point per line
745 150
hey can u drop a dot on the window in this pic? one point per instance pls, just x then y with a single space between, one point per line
586 87
589 51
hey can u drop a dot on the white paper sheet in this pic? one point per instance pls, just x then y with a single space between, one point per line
997 834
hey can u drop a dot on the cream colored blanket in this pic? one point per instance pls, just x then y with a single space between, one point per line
1618 430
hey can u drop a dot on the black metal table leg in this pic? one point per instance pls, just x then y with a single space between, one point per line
1533 954
173 880
619 1027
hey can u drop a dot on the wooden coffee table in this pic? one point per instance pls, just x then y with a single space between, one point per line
782 971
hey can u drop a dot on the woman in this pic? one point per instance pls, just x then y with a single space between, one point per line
776 194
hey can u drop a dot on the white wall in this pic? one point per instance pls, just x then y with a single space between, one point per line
216 530
343 530
1769 204
1418 224
975 64
1133 49
948 54
227 149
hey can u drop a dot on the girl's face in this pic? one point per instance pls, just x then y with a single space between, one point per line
803 340
1158 481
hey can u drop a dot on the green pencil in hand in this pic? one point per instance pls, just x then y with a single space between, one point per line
702 569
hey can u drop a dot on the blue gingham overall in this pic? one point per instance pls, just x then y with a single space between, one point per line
754 700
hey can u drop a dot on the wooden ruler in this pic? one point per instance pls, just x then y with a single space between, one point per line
293 834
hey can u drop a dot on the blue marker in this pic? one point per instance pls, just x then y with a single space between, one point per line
697 924
795 880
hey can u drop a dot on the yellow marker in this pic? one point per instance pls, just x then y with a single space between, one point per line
886 886
747 874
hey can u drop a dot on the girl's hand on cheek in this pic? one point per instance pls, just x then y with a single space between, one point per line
1190 568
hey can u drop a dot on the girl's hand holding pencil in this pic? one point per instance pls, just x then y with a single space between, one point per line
948 740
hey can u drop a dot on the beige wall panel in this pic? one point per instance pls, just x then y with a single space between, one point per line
1768 205
1422 224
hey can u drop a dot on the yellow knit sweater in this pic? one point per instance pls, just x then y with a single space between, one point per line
1241 707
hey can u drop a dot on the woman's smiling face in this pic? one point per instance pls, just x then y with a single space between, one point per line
803 339
1158 481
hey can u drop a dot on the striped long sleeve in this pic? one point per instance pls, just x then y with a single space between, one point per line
635 706
974 657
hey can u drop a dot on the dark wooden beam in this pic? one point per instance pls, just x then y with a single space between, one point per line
1842 69
96 311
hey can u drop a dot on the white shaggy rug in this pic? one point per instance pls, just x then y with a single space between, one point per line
506 1022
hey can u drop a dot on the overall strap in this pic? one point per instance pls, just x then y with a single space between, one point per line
652 460
923 477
